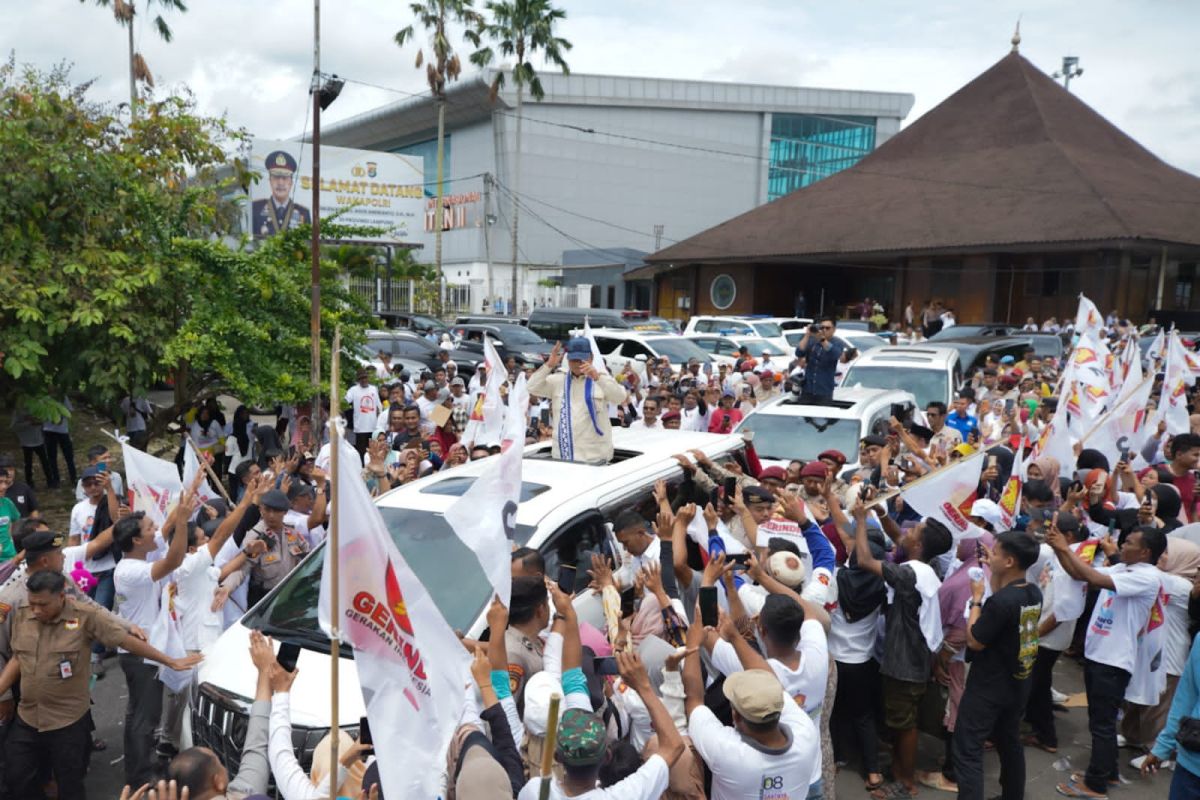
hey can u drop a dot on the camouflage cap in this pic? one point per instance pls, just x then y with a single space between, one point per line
582 739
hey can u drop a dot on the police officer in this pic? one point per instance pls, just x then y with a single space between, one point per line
278 212
52 637
272 548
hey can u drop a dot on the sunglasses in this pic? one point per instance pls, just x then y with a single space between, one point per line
826 327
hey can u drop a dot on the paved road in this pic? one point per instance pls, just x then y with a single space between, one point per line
107 777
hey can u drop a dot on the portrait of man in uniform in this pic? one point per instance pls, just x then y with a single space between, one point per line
278 212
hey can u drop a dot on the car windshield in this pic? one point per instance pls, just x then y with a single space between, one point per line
517 334
758 347
768 330
449 571
926 385
677 349
783 437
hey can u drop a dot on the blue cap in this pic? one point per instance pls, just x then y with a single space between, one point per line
579 349
1007 360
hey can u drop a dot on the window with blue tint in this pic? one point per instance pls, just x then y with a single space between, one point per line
427 150
806 148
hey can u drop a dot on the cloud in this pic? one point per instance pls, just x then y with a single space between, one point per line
252 59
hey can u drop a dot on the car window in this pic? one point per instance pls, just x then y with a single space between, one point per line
926 385
707 345
573 543
768 330
607 345
726 347
632 349
784 437
704 326
380 343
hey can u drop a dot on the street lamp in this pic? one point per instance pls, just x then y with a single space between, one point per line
1070 69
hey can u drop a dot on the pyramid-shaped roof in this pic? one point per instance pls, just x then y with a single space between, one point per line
1010 159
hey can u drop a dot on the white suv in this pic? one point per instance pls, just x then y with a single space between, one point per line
764 327
621 347
929 373
566 510
786 429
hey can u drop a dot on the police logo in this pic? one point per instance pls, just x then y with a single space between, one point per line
71 624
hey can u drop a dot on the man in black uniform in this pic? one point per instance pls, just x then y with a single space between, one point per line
278 212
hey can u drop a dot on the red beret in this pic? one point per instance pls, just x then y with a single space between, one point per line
814 469
773 473
834 455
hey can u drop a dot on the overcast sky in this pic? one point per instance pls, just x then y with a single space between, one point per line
252 59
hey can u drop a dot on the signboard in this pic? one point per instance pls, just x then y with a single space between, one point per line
459 211
383 190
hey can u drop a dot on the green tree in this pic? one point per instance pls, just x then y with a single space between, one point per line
519 29
434 16
124 13
115 254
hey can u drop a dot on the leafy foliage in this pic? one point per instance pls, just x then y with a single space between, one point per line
119 267
521 28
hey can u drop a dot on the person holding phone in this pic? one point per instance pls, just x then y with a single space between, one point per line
822 351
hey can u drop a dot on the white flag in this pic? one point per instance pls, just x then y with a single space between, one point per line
1125 428
1088 319
1181 372
410 664
1056 441
485 424
154 484
191 466
947 495
597 356
484 518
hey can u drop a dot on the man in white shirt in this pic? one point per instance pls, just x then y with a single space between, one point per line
649 419
363 399
773 748
1128 591
96 485
695 412
97 455
428 399
138 593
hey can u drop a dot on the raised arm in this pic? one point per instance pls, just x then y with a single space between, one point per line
866 559
230 523
177 549
1073 565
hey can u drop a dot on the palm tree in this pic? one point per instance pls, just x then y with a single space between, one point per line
433 16
124 13
519 29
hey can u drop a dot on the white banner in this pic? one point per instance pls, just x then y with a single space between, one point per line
154 484
411 667
383 190
1126 427
947 495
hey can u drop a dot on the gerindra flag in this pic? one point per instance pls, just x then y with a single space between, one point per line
484 518
410 664
154 484
947 495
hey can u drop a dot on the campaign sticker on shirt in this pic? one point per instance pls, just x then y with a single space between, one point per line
515 673
71 624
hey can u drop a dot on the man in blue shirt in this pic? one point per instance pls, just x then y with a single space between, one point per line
959 419
821 351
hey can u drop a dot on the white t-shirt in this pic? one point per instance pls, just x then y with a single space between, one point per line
117 484
1112 634
83 515
137 594
744 772
648 783
195 582
852 642
693 420
299 523
1175 651
805 684
235 606
366 404
1064 597
929 617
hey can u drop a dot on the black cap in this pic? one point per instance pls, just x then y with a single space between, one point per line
921 432
300 489
275 499
38 543
878 441
6 461
756 493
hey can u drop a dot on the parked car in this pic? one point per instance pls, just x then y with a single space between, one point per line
402 320
556 324
724 349
786 429
927 373
529 349
489 319
565 512
958 331
859 340
973 351
414 347
621 347
762 327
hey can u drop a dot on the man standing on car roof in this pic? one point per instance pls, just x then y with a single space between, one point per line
821 351
578 399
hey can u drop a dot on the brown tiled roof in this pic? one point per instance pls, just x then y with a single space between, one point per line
1011 158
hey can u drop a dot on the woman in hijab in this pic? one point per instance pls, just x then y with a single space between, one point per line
1141 724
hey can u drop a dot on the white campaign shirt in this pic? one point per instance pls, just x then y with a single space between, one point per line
366 404
852 642
1175 650
648 783
929 617
805 684
299 523
235 606
741 771
1120 615
195 583
1064 597
137 594
83 515
693 420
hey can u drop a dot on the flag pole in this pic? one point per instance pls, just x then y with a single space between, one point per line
331 552
548 746
208 468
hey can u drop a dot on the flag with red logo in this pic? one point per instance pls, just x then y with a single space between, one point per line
411 667
487 413
947 494
1010 499
154 484
1181 372
1126 427
192 466
485 517
1149 679
1088 318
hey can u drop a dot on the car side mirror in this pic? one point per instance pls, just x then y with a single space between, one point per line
640 357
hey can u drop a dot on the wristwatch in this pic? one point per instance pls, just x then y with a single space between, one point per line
976 604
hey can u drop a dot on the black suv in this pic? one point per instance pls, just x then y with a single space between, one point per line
522 344
414 347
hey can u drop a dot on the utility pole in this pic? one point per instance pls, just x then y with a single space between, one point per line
487 239
315 318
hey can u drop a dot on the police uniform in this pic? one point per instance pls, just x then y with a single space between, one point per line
268 218
285 549
524 658
53 722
